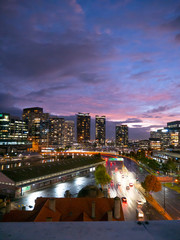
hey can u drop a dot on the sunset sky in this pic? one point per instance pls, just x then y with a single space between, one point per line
115 58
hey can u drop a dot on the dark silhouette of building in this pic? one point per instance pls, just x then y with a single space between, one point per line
100 129
83 127
122 135
56 131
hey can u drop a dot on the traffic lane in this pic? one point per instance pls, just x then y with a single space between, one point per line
171 199
134 167
132 195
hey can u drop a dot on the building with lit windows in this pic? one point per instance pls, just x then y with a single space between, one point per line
155 143
35 118
100 129
83 127
18 130
175 125
164 135
56 131
44 133
69 133
4 126
13 134
174 139
122 135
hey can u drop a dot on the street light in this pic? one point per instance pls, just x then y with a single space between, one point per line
164 198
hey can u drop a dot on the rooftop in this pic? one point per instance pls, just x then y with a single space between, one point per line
155 230
69 210
30 172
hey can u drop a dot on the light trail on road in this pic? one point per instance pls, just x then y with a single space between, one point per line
120 182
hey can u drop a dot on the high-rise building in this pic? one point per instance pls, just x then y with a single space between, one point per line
100 129
83 127
174 138
4 126
174 131
69 134
44 132
163 135
13 133
175 125
56 131
122 135
18 130
34 117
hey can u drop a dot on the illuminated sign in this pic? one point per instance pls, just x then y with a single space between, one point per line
116 159
25 189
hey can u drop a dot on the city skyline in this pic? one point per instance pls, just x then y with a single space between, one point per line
114 58
108 130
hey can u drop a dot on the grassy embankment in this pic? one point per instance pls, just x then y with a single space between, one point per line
174 187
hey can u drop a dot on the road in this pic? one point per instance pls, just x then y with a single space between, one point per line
120 182
172 198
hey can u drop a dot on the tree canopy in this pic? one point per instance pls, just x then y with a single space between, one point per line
152 183
101 176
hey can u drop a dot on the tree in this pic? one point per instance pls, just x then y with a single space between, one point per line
152 183
101 176
171 165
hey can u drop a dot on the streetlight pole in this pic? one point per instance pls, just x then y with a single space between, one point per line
164 198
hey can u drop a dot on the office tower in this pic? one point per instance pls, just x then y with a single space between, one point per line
174 138
34 117
56 131
44 132
155 134
83 127
18 130
69 134
163 135
122 135
155 144
175 125
13 134
100 129
4 126
174 130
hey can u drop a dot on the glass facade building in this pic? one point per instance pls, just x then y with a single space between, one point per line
83 127
69 135
56 131
100 129
122 135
